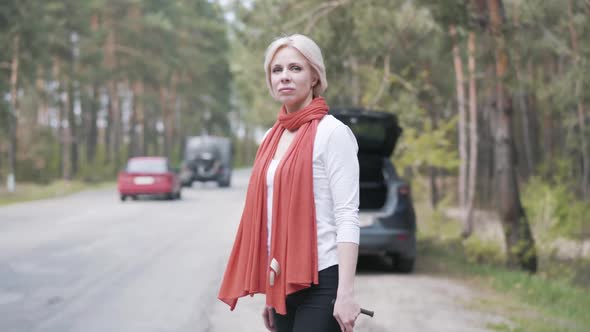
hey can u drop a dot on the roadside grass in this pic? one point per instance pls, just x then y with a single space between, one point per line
29 192
543 302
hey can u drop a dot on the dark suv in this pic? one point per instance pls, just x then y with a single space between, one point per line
207 158
388 221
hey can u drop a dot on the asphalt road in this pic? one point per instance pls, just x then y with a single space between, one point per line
88 262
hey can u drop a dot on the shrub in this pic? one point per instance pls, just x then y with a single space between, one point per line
554 210
482 252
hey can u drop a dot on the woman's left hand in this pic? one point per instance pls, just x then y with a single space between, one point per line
346 311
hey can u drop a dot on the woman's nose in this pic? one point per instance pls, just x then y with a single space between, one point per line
285 77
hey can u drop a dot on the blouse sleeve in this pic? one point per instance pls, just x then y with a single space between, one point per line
342 168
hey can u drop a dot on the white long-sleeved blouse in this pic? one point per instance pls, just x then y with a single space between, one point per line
335 187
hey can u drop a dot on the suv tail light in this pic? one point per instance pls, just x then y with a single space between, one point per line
404 190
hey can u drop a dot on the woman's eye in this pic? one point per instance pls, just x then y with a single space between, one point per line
296 68
277 70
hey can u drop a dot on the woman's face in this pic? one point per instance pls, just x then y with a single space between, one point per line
292 79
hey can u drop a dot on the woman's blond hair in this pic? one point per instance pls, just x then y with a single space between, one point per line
310 51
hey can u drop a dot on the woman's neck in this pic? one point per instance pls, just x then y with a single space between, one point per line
297 107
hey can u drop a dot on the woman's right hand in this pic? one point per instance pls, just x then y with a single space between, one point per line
268 317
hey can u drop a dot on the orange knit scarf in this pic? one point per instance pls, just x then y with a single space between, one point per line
293 261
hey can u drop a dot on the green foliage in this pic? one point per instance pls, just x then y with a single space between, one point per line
3 118
178 50
553 209
241 157
428 147
29 192
375 57
448 12
479 251
100 170
556 298
542 302
40 163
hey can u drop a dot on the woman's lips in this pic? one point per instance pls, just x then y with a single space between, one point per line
286 89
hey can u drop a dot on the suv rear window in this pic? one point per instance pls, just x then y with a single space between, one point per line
376 132
371 132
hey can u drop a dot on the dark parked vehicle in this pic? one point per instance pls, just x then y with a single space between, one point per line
148 176
388 221
207 158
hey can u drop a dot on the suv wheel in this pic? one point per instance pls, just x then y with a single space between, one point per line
224 183
403 264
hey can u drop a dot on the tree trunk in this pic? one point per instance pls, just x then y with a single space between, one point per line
172 116
114 123
71 135
132 149
136 132
110 63
42 115
164 109
13 114
580 107
57 76
584 147
434 194
473 139
520 244
385 82
354 81
66 136
434 172
108 129
94 105
60 135
487 157
92 137
523 108
139 115
459 85
533 115
524 111
118 125
64 106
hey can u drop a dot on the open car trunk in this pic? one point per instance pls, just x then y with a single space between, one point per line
377 134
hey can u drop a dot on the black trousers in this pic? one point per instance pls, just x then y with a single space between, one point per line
311 309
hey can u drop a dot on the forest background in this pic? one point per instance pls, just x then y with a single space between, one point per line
492 96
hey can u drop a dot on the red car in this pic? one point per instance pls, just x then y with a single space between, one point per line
148 176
